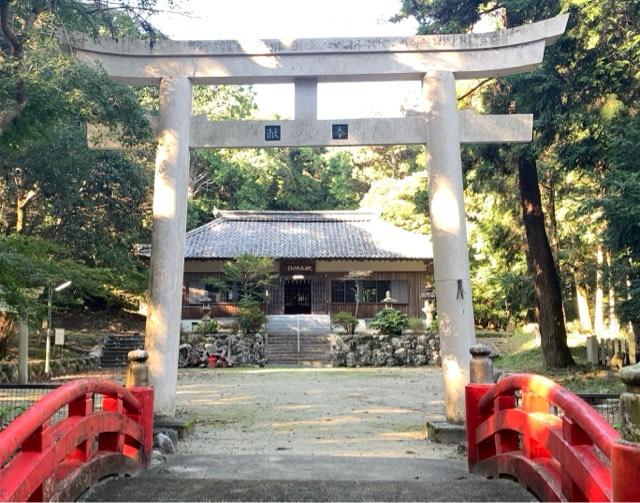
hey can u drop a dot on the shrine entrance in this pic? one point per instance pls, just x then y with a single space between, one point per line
297 297
437 61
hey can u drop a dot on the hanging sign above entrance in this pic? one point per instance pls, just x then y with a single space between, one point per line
290 267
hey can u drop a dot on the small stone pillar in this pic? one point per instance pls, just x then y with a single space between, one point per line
481 366
23 351
137 371
593 347
630 403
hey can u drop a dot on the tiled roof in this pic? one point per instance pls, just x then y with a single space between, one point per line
304 234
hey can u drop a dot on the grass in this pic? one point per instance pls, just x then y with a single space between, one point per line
522 353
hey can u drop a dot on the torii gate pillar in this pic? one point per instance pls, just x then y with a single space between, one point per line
162 339
449 237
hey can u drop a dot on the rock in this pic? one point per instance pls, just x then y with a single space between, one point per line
351 360
157 458
396 342
365 359
400 353
423 340
419 360
169 432
362 349
421 349
339 359
164 444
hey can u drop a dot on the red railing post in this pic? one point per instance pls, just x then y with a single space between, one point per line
82 407
625 468
39 441
111 441
625 454
475 452
532 403
145 420
481 377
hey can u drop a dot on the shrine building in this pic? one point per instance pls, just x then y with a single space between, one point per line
318 257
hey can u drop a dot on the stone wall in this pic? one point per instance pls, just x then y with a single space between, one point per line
9 370
374 350
245 350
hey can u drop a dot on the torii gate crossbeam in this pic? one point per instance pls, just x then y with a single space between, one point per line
437 61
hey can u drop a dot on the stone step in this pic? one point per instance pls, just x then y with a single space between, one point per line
290 324
116 348
306 478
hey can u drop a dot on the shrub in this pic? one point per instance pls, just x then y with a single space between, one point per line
434 327
345 320
207 327
416 325
250 317
390 321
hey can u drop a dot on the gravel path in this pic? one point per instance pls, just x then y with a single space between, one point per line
311 411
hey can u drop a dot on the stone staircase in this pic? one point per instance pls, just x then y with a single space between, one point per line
307 324
116 347
282 346
283 349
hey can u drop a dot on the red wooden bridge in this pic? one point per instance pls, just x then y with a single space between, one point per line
43 460
526 428
534 431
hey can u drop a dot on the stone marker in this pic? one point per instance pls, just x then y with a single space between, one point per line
630 403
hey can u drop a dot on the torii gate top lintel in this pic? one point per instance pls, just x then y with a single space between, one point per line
474 55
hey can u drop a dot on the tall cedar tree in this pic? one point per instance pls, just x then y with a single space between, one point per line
446 16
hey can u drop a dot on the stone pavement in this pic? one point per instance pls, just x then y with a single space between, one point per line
303 434
306 478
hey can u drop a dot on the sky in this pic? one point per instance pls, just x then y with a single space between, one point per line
290 19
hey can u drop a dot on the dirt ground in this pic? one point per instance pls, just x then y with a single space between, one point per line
312 411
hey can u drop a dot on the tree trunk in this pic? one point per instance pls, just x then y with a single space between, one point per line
547 284
21 209
614 323
553 223
598 309
583 307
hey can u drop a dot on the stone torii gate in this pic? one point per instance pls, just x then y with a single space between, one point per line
437 61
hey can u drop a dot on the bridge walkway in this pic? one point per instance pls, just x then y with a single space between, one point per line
306 478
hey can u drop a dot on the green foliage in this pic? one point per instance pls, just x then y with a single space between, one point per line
207 327
434 327
416 325
252 274
251 318
68 212
28 263
390 321
345 320
9 412
402 202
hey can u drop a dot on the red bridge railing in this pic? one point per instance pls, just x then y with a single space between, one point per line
574 455
41 461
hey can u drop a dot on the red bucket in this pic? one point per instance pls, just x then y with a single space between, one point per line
213 362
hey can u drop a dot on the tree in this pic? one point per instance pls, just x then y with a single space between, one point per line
585 85
439 16
68 212
252 274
